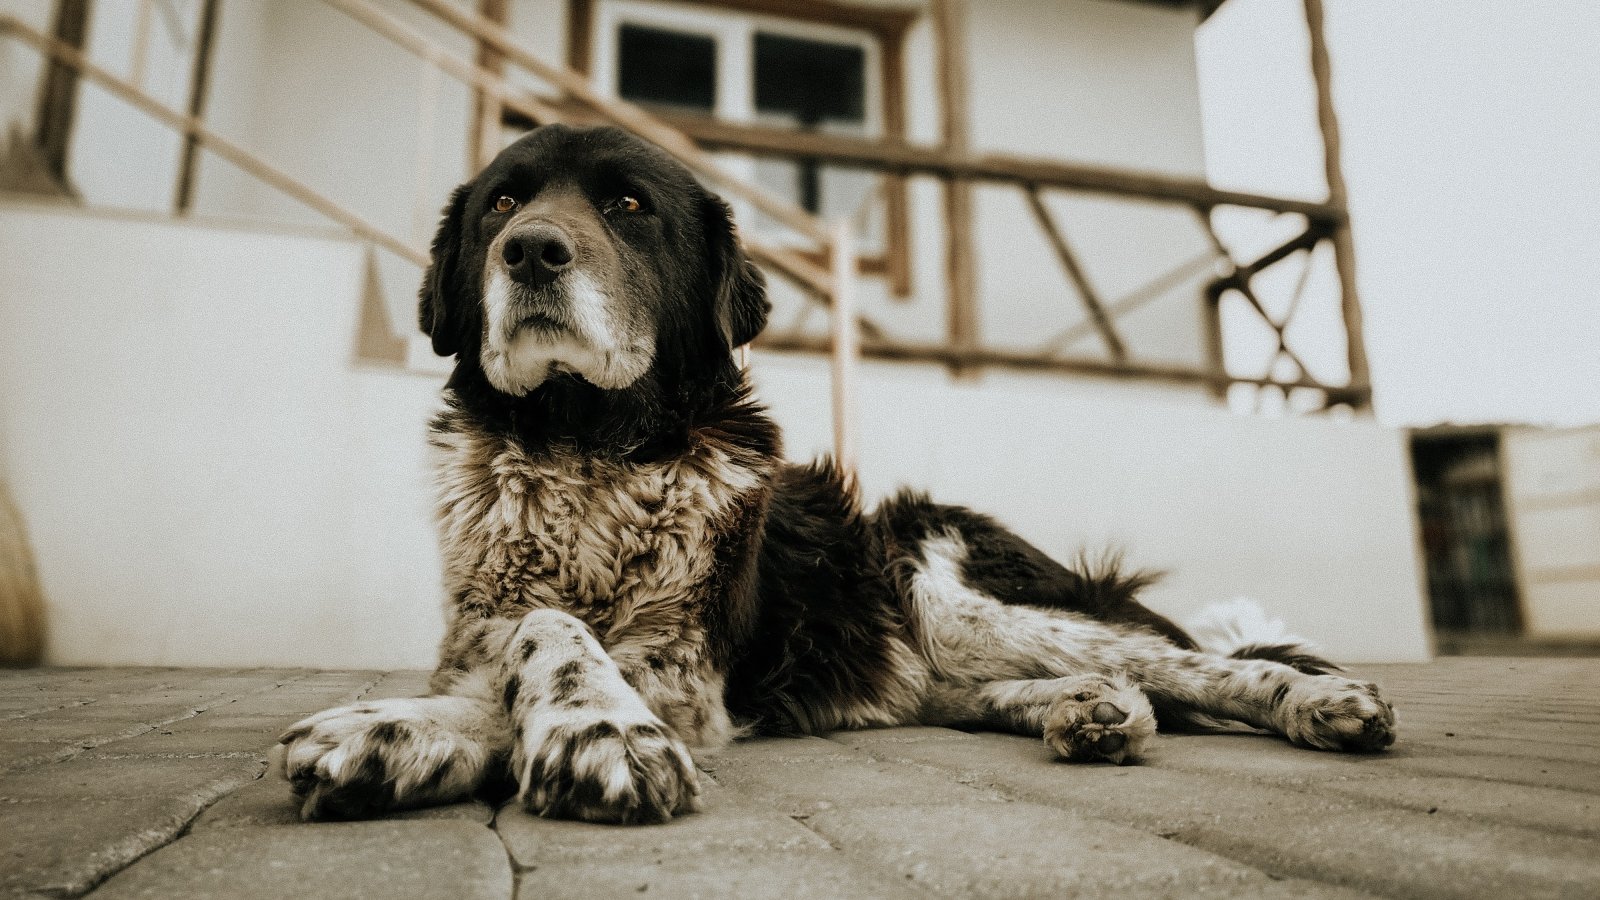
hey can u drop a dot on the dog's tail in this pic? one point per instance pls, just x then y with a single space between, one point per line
1242 629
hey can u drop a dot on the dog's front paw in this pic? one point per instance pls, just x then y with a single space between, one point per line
1333 713
629 770
369 758
1099 718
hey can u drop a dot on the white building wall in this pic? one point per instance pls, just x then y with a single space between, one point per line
1552 491
208 480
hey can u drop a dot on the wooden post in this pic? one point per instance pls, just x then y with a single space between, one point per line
580 30
199 89
896 200
846 347
141 42
484 140
950 22
1343 245
58 93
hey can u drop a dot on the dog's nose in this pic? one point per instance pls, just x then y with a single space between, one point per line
537 254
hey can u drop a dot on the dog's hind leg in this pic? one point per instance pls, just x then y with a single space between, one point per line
970 637
1083 718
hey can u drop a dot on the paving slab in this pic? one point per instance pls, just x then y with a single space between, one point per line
1570 812
817 778
1556 773
268 801
94 777
208 733
64 849
731 874
391 860
1030 850
724 826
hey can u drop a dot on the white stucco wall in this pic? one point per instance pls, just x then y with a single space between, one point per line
194 453
208 480
1552 491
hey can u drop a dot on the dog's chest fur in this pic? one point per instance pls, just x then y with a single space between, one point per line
626 547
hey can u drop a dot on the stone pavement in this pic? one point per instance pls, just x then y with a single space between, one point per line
147 783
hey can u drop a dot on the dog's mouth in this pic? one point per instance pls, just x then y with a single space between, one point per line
538 314
540 325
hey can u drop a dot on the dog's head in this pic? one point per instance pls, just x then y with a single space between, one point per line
589 252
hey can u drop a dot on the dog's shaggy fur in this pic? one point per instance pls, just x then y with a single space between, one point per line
633 570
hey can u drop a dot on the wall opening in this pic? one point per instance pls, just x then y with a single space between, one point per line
1472 588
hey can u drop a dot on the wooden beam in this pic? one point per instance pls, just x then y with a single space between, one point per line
1211 322
889 155
960 264
896 196
1135 299
199 92
1343 244
882 20
580 36
484 135
1080 280
57 111
987 356
1248 293
846 349
1305 240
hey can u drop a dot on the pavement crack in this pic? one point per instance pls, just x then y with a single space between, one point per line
511 859
804 821
151 840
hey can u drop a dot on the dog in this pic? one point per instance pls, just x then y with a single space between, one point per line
632 568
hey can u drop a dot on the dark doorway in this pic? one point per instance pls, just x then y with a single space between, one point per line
1471 583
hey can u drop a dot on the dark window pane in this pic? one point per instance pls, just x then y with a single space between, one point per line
812 81
667 67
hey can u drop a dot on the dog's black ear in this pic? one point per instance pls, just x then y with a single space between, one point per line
436 303
741 289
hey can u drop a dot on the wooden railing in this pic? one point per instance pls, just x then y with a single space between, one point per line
819 258
1326 224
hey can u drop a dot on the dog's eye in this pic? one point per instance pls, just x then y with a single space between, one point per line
504 205
627 203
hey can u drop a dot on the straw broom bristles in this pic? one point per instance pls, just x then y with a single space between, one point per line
21 601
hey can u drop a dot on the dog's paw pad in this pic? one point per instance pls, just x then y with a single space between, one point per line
605 771
365 760
1332 713
1099 719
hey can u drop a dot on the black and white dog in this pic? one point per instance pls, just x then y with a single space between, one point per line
633 570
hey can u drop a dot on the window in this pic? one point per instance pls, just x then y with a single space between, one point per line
753 70
659 67
809 81
805 84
